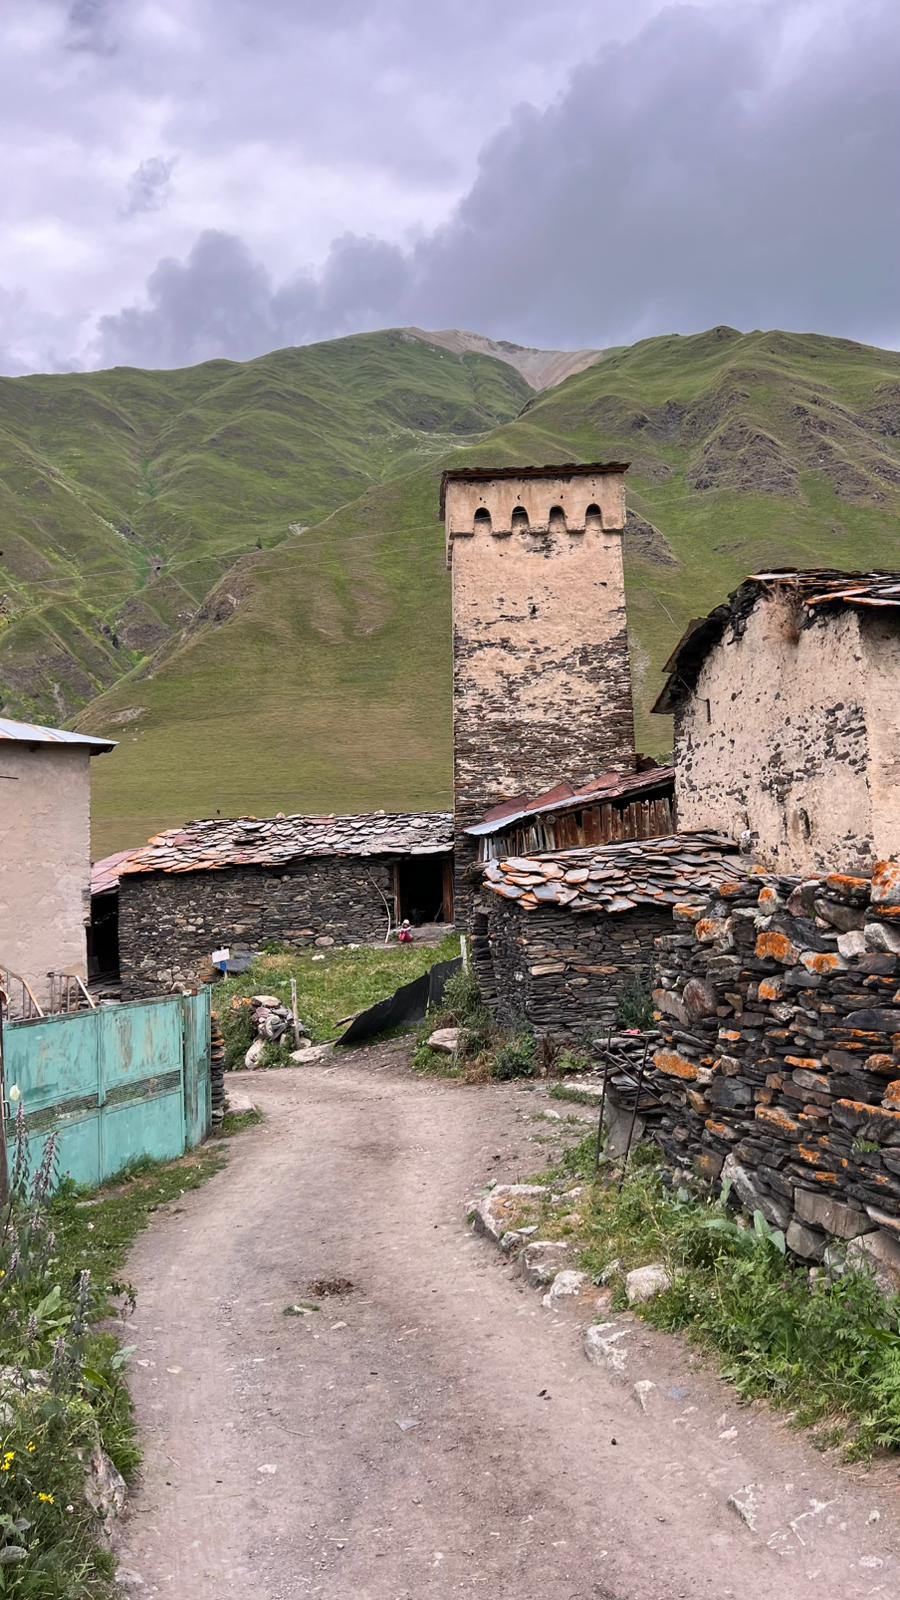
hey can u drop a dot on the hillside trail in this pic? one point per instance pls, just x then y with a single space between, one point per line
433 1431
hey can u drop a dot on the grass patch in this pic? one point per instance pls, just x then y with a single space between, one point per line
826 1349
328 991
64 1393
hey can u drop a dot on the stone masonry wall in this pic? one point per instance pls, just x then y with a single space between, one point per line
561 973
541 677
780 1064
170 922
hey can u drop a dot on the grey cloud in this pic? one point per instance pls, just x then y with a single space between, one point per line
149 186
89 27
710 170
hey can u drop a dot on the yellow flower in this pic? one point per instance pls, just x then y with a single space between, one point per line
46 1500
31 1447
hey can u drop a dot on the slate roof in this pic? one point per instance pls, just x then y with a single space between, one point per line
213 845
36 733
105 873
683 868
820 589
609 786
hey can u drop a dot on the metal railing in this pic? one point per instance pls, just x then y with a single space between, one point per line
68 993
17 997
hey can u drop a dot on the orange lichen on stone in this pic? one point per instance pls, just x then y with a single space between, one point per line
708 929
809 1155
774 1117
771 989
865 1109
885 881
674 1065
719 1130
732 1035
698 1101
727 890
682 912
825 1177
880 1063
807 1063
822 961
767 896
775 947
844 884
891 1098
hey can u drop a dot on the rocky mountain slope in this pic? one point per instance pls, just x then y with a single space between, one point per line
247 558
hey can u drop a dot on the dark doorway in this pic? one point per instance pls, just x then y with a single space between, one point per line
424 888
103 937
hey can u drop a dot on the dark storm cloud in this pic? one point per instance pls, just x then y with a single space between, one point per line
149 186
586 173
727 164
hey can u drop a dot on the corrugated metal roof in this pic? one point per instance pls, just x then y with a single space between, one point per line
817 589
35 733
609 786
213 845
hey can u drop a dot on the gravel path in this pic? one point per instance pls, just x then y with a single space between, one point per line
433 1431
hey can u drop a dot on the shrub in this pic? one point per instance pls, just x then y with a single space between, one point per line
635 1005
515 1058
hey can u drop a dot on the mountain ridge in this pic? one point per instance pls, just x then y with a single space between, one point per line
238 570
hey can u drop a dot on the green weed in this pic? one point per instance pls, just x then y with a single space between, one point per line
828 1350
329 991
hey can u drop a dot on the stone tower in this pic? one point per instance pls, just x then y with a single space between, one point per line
541 678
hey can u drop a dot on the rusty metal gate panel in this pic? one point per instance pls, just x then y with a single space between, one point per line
119 1084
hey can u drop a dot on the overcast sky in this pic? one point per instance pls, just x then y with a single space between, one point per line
185 179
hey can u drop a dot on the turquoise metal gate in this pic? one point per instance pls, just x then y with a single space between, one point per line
117 1084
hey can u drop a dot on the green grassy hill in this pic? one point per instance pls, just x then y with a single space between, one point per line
125 495
314 672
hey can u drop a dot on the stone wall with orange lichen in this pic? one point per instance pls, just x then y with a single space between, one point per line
779 1066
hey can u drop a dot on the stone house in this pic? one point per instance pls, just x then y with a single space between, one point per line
786 702
45 852
243 883
559 937
541 678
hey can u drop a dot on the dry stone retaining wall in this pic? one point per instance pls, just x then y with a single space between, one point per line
780 1062
561 972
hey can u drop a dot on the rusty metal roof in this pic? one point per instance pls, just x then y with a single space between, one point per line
818 590
683 868
609 786
35 733
213 845
564 469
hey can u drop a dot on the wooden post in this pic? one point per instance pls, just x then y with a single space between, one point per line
294 1013
4 1160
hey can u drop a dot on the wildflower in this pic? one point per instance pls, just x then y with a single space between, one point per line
31 1447
47 1499
15 1094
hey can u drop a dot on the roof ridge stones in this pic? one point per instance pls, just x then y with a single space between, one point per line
817 590
681 868
214 844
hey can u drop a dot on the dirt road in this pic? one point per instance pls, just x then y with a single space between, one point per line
434 1431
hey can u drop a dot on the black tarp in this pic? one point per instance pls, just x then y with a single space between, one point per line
409 1003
